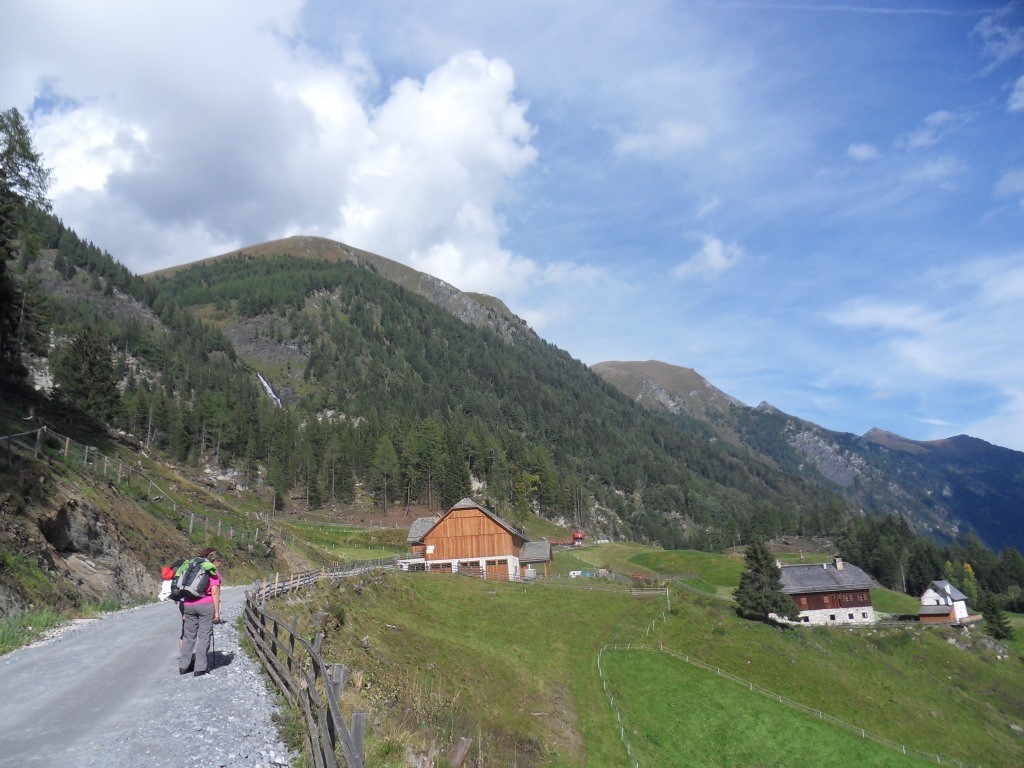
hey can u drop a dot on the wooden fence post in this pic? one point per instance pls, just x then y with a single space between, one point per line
67 446
459 752
338 676
191 520
358 734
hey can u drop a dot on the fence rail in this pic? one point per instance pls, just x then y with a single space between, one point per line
298 669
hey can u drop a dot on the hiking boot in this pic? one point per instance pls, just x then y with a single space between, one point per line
199 672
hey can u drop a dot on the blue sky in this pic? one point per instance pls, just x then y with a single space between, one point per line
817 204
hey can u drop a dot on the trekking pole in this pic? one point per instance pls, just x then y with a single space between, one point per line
213 646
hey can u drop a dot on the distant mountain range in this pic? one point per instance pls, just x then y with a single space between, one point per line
945 488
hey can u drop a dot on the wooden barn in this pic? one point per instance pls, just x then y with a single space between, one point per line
469 538
830 593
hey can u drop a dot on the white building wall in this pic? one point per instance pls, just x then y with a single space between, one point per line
861 615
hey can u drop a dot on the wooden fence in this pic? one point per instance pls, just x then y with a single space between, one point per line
310 684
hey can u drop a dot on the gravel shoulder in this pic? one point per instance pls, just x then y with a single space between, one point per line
107 692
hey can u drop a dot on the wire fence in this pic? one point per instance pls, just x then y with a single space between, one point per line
18 449
754 688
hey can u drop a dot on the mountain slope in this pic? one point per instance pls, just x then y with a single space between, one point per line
343 331
474 308
946 488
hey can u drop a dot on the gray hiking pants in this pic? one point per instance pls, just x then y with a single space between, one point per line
198 629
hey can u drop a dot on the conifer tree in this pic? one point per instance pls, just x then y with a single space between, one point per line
23 183
760 590
997 623
86 376
384 471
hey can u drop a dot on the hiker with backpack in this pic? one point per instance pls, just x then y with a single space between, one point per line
197 585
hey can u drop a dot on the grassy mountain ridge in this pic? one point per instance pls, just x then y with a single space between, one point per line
945 488
472 307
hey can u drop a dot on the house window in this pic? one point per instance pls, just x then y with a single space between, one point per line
849 616
803 602
831 617
864 615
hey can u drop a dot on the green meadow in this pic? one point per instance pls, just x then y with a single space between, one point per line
514 667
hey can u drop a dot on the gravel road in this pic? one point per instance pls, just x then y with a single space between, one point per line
106 692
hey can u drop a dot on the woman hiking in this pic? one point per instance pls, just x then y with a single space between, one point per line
199 615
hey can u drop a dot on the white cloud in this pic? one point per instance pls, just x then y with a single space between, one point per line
967 334
941 172
1011 184
932 130
714 259
1001 40
886 315
862 151
1016 101
86 146
435 165
664 140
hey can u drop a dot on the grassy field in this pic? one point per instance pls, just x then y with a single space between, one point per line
677 716
346 542
513 666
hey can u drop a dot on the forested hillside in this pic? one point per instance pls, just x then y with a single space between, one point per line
388 390
393 398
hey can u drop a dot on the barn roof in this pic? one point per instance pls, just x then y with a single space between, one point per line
424 525
419 527
535 552
824 577
935 610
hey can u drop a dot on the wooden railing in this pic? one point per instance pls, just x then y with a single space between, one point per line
310 684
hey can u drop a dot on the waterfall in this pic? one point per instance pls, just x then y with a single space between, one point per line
269 390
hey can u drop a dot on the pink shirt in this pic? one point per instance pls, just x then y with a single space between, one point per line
208 597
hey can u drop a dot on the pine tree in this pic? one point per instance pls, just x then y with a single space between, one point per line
23 184
384 472
760 590
997 623
86 376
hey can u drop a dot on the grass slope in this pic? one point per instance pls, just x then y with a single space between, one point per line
678 716
514 667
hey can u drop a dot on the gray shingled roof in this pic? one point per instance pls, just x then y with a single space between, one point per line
419 528
935 610
535 552
940 587
802 579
